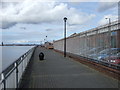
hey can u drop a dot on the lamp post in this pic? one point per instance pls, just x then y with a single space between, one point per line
41 42
44 41
109 31
65 19
46 38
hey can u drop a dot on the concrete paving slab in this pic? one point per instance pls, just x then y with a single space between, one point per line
59 72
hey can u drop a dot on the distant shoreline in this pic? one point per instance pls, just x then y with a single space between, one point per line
19 45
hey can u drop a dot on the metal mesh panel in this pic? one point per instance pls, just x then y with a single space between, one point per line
91 43
11 80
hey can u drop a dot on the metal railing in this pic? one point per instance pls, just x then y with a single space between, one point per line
11 76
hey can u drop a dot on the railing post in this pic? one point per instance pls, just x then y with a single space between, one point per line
4 84
1 79
4 81
16 66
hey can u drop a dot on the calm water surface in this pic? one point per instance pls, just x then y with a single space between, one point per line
9 54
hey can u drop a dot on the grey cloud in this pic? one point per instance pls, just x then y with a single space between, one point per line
37 13
5 25
106 6
48 29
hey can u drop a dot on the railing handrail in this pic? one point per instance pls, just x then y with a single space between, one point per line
7 71
15 61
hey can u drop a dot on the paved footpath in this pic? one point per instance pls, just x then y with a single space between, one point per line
59 72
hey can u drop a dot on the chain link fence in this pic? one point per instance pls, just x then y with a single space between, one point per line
101 43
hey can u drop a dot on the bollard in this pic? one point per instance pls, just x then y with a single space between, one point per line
41 56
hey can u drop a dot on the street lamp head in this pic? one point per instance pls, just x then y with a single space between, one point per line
107 18
65 18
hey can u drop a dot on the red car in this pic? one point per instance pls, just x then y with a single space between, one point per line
115 59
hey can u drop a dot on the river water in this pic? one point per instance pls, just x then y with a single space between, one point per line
9 54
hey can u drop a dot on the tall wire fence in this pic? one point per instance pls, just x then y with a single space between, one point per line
101 43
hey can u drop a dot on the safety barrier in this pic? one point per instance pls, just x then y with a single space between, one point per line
11 76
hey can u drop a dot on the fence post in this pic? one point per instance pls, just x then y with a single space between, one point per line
16 66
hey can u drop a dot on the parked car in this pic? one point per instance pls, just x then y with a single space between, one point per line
87 52
107 53
114 59
93 56
94 52
84 51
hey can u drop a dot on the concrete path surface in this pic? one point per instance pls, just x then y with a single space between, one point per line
59 72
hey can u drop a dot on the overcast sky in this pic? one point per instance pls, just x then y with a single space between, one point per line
30 21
